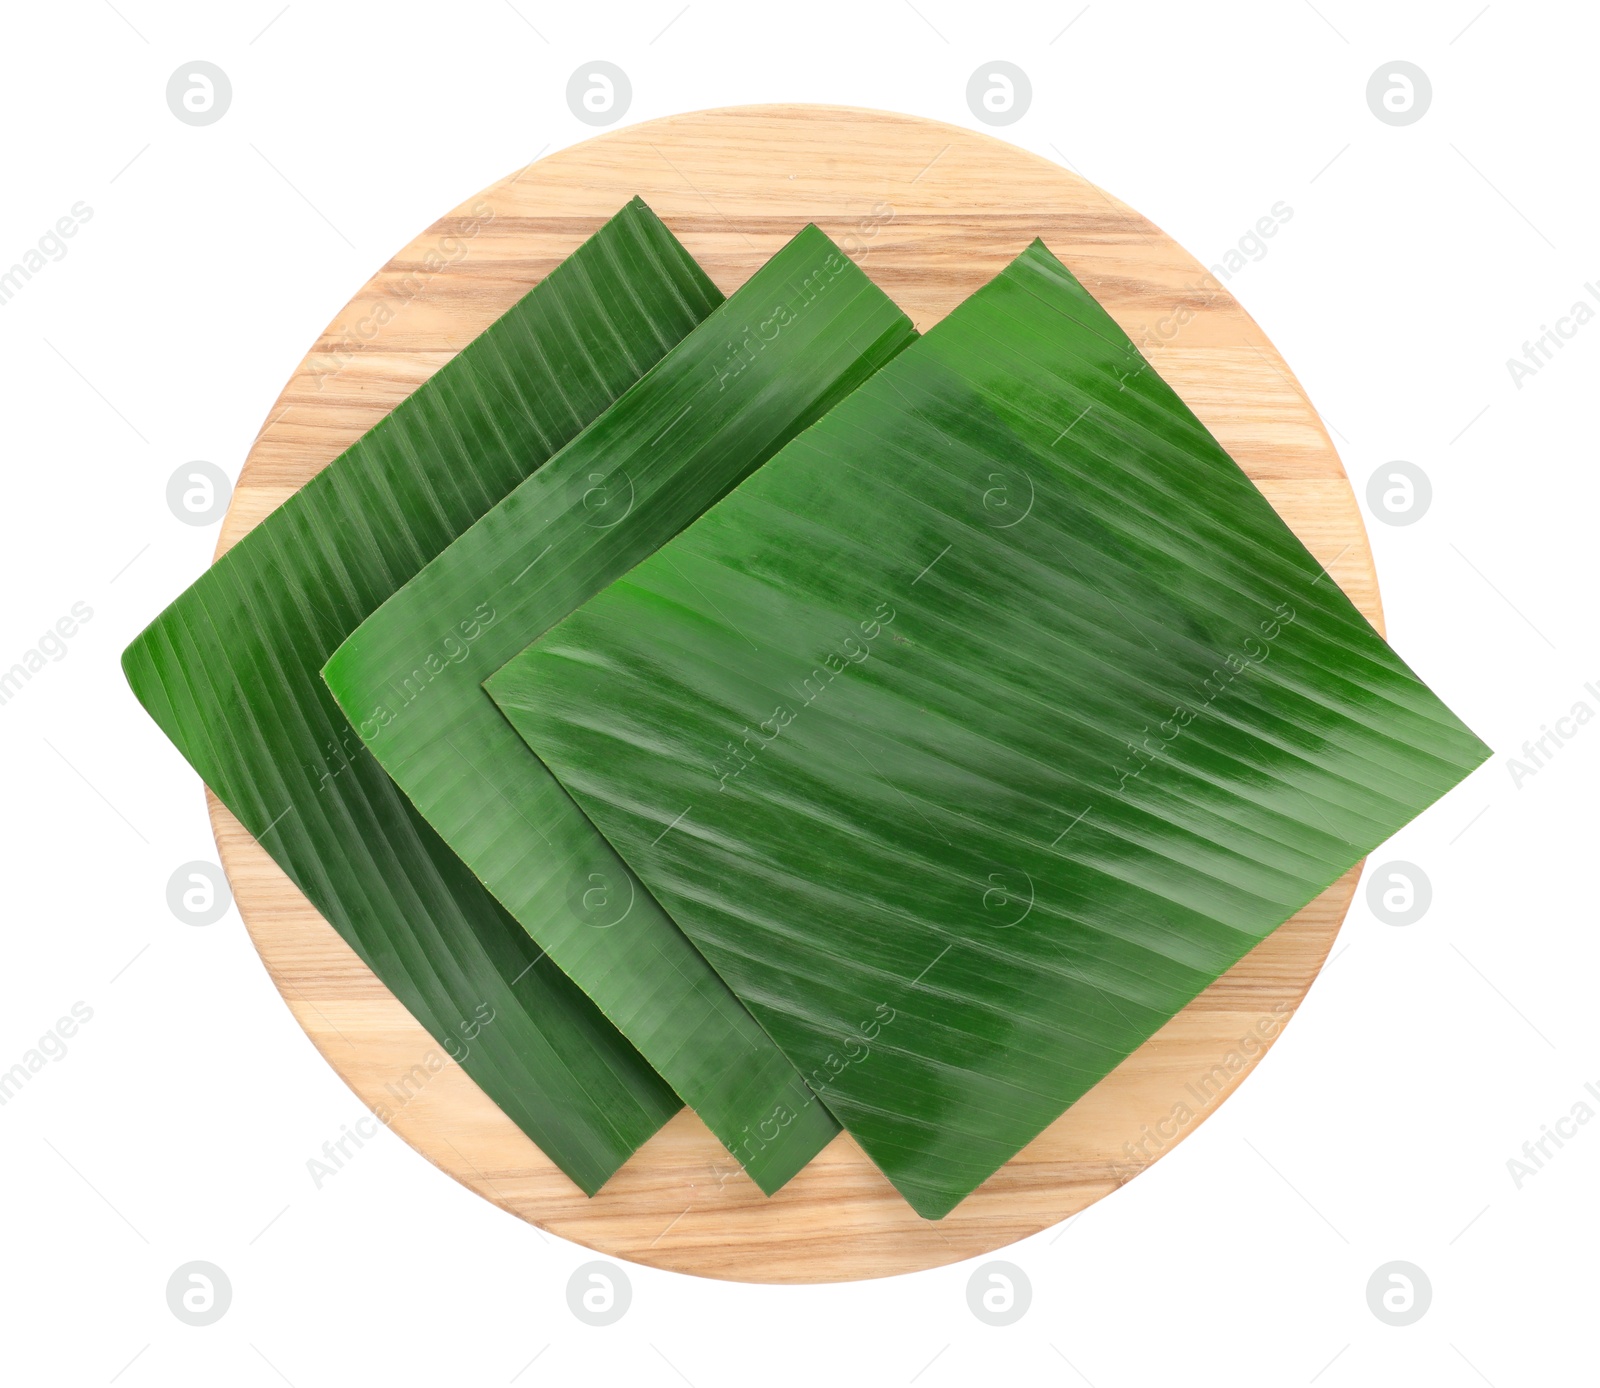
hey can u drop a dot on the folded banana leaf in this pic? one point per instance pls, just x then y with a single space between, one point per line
231 673
807 329
979 730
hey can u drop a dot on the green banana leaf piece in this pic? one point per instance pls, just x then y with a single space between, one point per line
980 729
807 329
231 673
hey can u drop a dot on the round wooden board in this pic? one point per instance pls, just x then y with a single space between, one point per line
931 212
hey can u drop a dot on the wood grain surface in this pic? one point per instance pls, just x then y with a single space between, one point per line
931 212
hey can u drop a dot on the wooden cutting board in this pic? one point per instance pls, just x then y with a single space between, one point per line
931 212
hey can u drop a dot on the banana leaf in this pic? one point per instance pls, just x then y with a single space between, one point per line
801 334
985 725
231 673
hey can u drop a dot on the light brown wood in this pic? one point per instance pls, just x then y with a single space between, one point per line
931 212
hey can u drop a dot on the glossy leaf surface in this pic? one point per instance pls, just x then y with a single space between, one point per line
231 671
985 725
800 335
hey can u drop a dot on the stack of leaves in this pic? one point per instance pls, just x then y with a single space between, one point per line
799 336
231 673
776 711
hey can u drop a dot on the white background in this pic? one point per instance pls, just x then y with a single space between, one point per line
1418 259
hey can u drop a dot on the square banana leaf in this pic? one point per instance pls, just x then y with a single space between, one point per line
231 672
983 727
803 332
